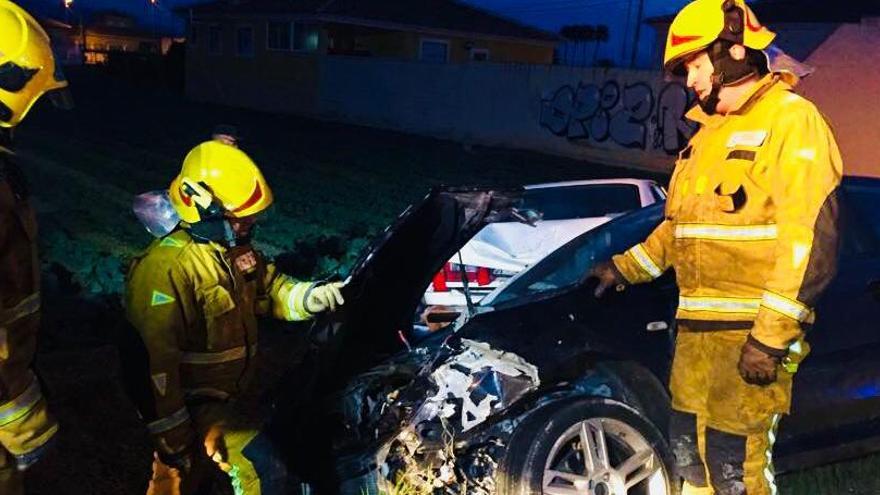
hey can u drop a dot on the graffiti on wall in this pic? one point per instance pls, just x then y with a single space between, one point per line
634 116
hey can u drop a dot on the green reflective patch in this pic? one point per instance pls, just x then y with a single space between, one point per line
160 298
171 242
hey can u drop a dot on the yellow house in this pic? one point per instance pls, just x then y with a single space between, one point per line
112 32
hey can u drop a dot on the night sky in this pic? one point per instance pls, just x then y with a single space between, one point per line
618 15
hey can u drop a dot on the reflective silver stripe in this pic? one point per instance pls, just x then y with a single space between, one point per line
726 232
720 304
768 472
786 307
21 405
27 306
212 393
169 422
296 301
644 260
233 354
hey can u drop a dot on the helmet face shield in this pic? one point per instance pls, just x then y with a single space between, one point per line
61 98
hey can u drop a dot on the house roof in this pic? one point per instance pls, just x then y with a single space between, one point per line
776 11
445 15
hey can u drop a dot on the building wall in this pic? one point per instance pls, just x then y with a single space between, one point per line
271 80
399 44
405 45
846 87
107 42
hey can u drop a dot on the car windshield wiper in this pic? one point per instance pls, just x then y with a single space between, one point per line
527 216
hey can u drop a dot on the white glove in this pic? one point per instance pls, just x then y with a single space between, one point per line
325 297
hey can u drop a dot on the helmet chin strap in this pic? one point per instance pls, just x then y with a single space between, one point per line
6 137
728 72
710 104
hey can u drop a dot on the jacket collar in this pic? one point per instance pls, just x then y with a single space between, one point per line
744 104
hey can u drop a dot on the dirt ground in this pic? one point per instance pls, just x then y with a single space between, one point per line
335 186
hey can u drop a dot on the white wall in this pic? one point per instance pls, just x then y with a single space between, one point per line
846 87
630 118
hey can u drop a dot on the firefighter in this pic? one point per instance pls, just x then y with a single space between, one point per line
194 297
750 229
27 71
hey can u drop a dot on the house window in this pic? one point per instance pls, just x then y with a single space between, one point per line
297 36
244 41
434 51
305 36
278 35
215 40
480 54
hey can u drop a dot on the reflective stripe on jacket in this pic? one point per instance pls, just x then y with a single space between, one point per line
26 426
750 223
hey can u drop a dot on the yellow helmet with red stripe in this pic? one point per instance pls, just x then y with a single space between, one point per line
219 175
702 22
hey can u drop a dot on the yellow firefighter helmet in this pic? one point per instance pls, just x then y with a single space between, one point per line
702 22
218 175
27 68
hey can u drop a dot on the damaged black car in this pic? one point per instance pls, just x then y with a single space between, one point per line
542 388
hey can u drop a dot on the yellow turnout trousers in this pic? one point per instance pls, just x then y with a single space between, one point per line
722 429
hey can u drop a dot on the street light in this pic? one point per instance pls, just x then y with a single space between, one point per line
68 4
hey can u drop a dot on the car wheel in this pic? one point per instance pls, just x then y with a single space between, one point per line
588 447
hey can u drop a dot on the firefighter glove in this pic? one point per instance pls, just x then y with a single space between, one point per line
608 276
758 364
181 461
324 297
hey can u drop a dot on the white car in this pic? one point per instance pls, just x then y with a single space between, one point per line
501 250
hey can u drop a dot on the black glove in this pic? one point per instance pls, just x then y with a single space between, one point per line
182 461
608 276
758 363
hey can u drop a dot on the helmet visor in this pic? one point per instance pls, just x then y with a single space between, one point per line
61 98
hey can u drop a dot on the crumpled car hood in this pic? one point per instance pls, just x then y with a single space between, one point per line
478 382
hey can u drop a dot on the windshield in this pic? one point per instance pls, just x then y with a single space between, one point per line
567 265
584 201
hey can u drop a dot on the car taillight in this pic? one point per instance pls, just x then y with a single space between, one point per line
484 276
439 281
451 272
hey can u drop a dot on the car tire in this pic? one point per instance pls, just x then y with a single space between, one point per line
545 453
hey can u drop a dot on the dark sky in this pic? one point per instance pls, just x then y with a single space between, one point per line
618 15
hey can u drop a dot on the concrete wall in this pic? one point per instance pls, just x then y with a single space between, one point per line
629 118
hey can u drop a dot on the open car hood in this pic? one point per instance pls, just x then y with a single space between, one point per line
388 280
